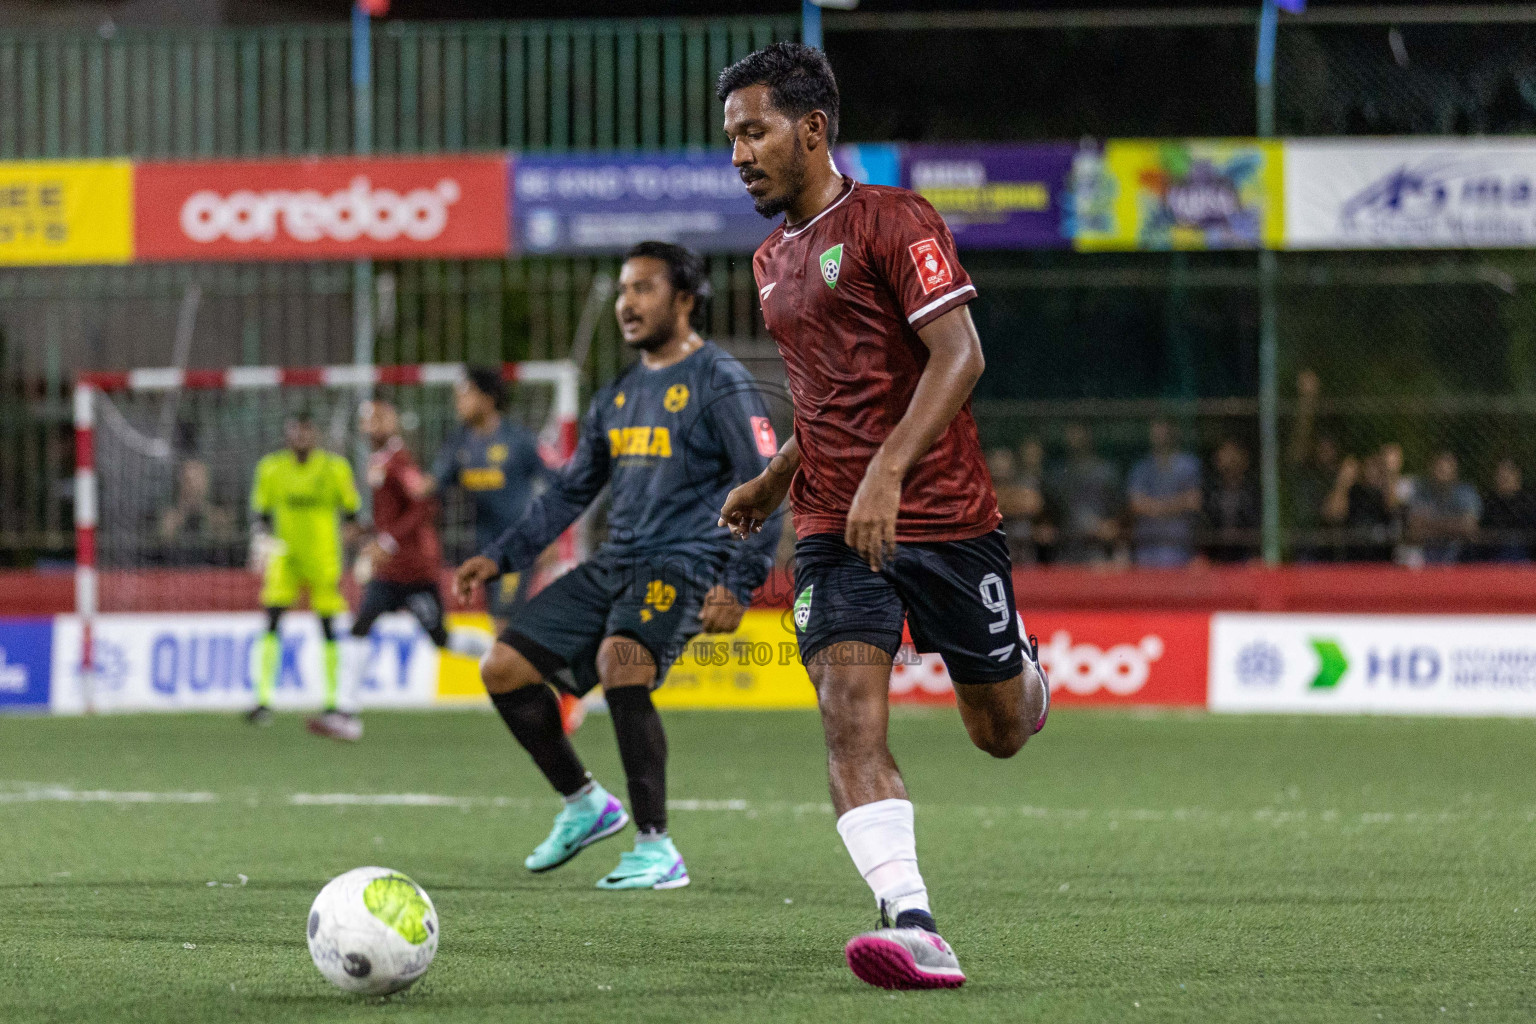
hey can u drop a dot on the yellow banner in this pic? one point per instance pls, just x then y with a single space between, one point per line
66 211
1181 194
758 666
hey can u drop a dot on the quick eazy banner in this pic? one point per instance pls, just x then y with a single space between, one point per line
1410 193
65 211
996 196
26 656
332 208
1374 664
206 662
1180 194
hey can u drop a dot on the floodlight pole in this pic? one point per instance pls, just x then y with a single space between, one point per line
1269 411
362 145
810 24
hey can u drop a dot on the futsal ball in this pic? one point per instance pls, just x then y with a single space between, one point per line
373 931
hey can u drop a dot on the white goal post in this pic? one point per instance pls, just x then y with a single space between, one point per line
136 431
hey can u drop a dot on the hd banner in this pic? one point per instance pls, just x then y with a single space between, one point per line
1154 194
997 196
65 211
332 208
1410 193
1374 664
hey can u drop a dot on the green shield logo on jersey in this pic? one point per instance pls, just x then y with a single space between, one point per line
832 264
803 607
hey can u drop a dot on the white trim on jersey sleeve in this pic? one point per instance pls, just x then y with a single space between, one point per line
936 303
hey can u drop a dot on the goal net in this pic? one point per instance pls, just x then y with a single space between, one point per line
165 460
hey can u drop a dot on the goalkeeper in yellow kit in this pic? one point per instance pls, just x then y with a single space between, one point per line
298 495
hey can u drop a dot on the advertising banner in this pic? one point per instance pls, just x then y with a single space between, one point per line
319 209
65 211
206 662
758 666
1154 194
606 202
1410 194
1092 658
1387 664
996 196
26 653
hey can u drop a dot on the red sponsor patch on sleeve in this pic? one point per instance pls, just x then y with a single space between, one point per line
767 443
932 268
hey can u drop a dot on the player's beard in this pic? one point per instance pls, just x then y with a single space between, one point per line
654 340
793 177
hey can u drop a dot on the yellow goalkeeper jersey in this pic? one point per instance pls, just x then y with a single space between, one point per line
304 500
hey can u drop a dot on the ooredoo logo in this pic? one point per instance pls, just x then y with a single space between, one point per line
308 216
324 208
1084 669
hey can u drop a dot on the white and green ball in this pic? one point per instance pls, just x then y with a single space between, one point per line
373 931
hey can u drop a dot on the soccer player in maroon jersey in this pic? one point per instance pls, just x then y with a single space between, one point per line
895 515
402 558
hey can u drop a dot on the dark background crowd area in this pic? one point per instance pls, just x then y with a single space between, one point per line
1070 498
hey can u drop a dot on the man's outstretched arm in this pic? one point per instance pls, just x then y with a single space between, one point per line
954 366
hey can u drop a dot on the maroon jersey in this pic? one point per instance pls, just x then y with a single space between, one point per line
844 296
402 523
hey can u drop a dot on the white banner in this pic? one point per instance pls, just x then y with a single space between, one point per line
207 662
1410 193
1389 664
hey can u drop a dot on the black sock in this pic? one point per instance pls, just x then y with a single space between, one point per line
917 919
643 750
533 715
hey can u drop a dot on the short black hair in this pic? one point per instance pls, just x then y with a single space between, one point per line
799 80
685 269
488 381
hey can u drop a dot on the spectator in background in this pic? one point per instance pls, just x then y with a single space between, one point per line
1362 505
1085 492
193 529
1231 506
1019 499
1314 464
1509 516
1163 493
1443 512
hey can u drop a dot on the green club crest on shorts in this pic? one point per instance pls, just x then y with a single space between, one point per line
803 608
831 264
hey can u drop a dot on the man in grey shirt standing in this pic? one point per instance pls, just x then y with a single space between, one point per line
1164 498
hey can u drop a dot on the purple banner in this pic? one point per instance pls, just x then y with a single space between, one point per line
996 196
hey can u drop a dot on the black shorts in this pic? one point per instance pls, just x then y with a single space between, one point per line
654 602
956 597
421 599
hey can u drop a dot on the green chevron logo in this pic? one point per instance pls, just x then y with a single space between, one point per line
1331 664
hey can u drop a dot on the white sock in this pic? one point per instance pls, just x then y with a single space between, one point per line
881 840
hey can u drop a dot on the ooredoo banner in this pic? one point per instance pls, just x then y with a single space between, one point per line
386 207
1409 193
1386 664
1091 658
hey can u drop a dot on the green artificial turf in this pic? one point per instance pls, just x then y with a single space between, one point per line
1124 867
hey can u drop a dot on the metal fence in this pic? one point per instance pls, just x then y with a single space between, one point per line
1421 350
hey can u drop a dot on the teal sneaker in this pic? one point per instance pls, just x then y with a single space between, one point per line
650 865
596 816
